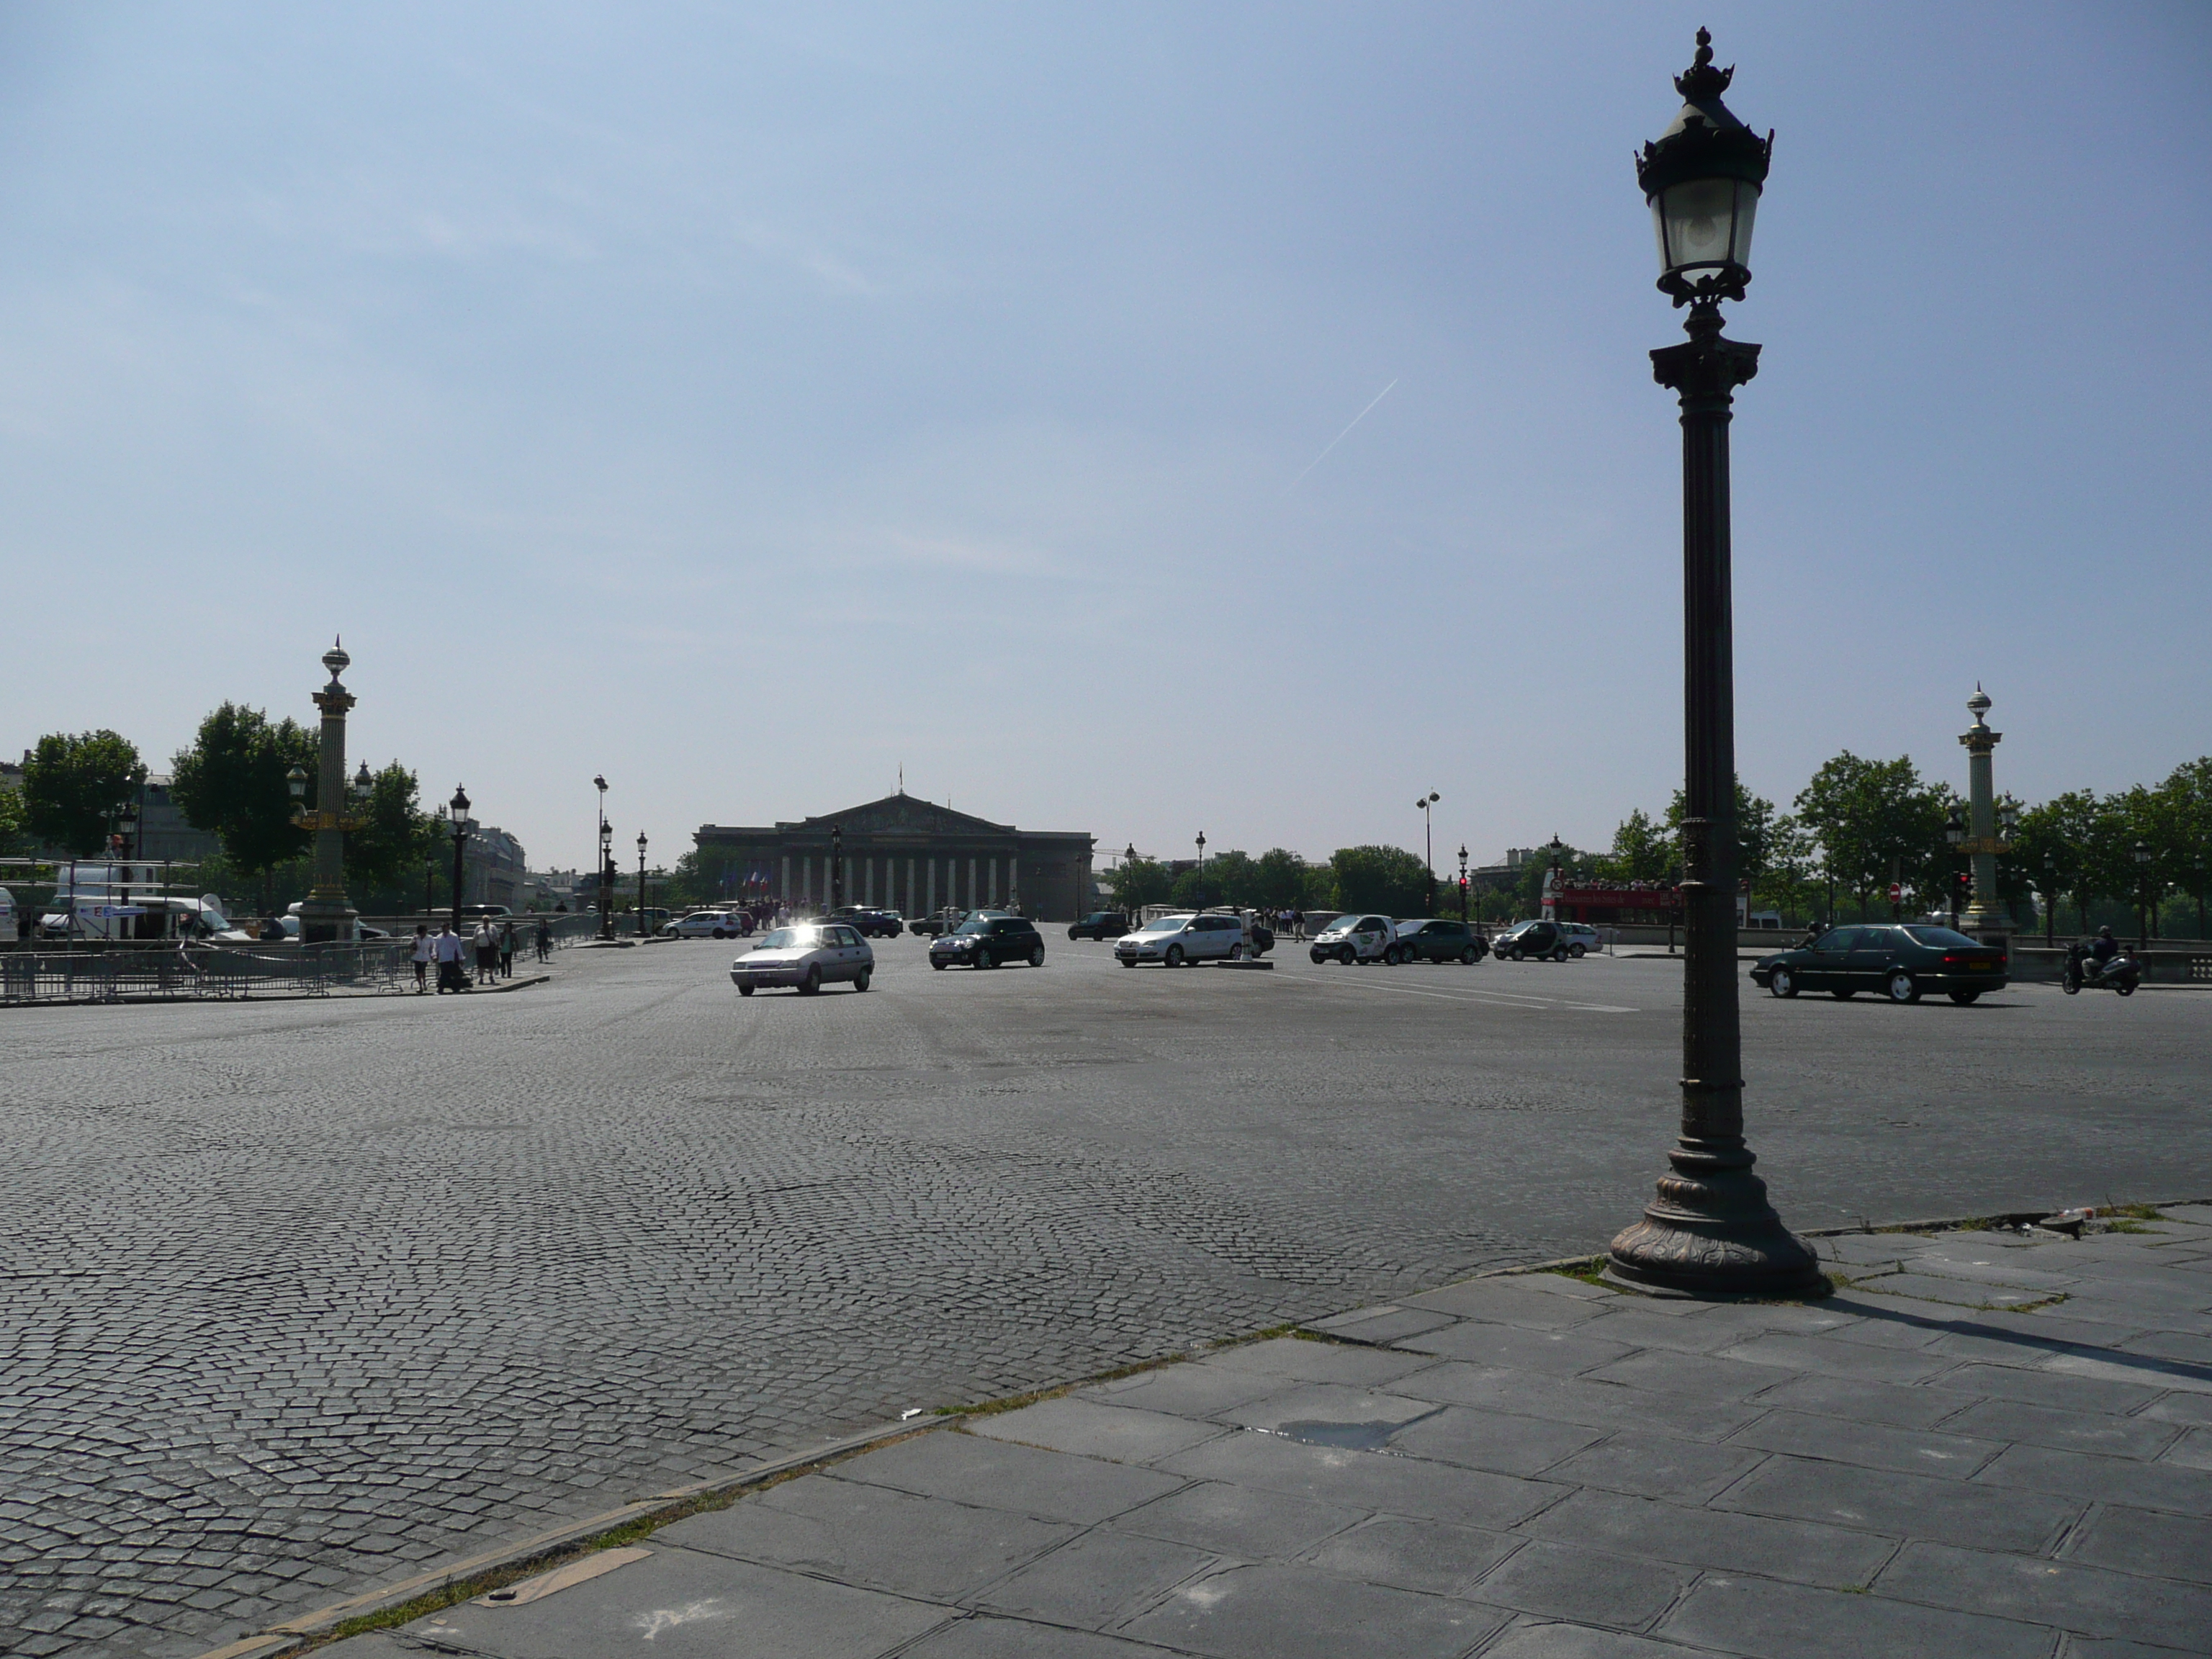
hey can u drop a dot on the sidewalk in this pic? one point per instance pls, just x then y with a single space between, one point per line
1986 1444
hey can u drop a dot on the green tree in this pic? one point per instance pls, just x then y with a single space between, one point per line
233 783
1226 879
1754 832
72 783
1388 879
1278 880
1877 822
395 838
1135 883
1642 850
15 823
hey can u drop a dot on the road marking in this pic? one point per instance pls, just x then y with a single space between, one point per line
1496 999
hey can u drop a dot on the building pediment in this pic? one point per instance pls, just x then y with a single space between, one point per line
908 815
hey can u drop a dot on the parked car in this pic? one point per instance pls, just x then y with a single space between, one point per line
1179 940
1354 938
1898 961
986 939
1581 939
1539 940
1437 940
938 923
709 924
475 912
869 922
809 955
1099 923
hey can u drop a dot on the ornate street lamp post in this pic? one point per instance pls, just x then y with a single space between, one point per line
461 825
836 866
1201 870
1709 1228
2142 895
1426 804
640 883
1463 884
326 916
1986 918
606 864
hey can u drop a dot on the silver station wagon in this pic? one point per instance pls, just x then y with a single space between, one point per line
809 955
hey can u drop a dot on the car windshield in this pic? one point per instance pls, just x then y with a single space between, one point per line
973 924
1943 937
1166 925
786 938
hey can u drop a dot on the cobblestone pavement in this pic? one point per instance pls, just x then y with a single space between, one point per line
296 1297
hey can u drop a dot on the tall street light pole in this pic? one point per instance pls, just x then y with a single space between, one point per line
836 866
326 916
640 883
2142 895
462 826
1463 884
1427 803
606 863
1709 1228
1202 869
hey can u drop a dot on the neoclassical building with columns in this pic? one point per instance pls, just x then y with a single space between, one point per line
904 853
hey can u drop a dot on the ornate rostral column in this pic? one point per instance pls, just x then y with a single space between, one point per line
326 916
1986 918
1710 1231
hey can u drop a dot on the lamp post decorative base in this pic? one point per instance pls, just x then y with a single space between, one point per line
1710 1232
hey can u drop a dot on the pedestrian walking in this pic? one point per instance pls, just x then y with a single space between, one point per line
422 958
506 950
447 950
487 954
544 939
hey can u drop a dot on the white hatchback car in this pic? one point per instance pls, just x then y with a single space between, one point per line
1355 937
706 923
809 955
1176 941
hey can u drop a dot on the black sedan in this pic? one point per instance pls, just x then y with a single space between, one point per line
1099 923
1436 941
1896 961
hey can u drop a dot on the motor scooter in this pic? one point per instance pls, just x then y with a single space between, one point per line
2122 973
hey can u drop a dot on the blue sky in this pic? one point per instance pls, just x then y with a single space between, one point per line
746 403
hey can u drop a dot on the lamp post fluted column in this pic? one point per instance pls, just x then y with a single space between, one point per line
326 916
1708 1230
1986 918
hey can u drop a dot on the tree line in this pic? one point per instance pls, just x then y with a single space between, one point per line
232 781
1859 825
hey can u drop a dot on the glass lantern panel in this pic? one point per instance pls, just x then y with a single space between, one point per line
1746 209
1697 222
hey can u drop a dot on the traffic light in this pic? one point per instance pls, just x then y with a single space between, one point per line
1962 886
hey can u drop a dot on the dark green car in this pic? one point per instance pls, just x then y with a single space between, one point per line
1895 960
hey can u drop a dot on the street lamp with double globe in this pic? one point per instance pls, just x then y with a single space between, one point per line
606 865
1708 1230
1427 804
640 883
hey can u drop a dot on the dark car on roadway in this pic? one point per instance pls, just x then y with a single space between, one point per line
867 922
1896 960
1099 923
1437 940
985 941
1547 941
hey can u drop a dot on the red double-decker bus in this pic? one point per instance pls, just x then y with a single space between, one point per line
1618 903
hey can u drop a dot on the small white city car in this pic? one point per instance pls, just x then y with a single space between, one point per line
809 955
1177 941
1356 938
707 924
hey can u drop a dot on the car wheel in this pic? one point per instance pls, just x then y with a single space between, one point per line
983 959
1963 996
1174 958
1347 955
1037 955
861 980
1900 988
1128 962
744 990
938 963
1237 953
721 934
1469 957
1845 993
2124 990
1072 936
1559 954
812 985
1782 983
1577 951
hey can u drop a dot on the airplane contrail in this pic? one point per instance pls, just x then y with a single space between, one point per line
1340 437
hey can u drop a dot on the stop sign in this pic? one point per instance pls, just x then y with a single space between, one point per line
1896 892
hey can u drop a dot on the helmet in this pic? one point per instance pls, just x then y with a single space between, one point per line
2105 931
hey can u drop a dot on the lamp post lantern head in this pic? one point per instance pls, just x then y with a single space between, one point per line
296 780
363 785
337 661
2143 852
460 806
1954 828
1702 178
640 843
1129 853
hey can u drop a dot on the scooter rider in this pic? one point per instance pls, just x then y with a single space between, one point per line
2105 949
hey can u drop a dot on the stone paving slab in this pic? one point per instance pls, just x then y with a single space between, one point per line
1552 1498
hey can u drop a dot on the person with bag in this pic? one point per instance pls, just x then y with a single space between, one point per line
506 950
487 954
447 950
422 956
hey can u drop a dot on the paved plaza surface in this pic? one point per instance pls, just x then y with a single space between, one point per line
297 1297
1982 1446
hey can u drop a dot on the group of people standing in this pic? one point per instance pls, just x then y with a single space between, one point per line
492 949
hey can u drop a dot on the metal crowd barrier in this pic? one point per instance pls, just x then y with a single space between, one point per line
223 971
